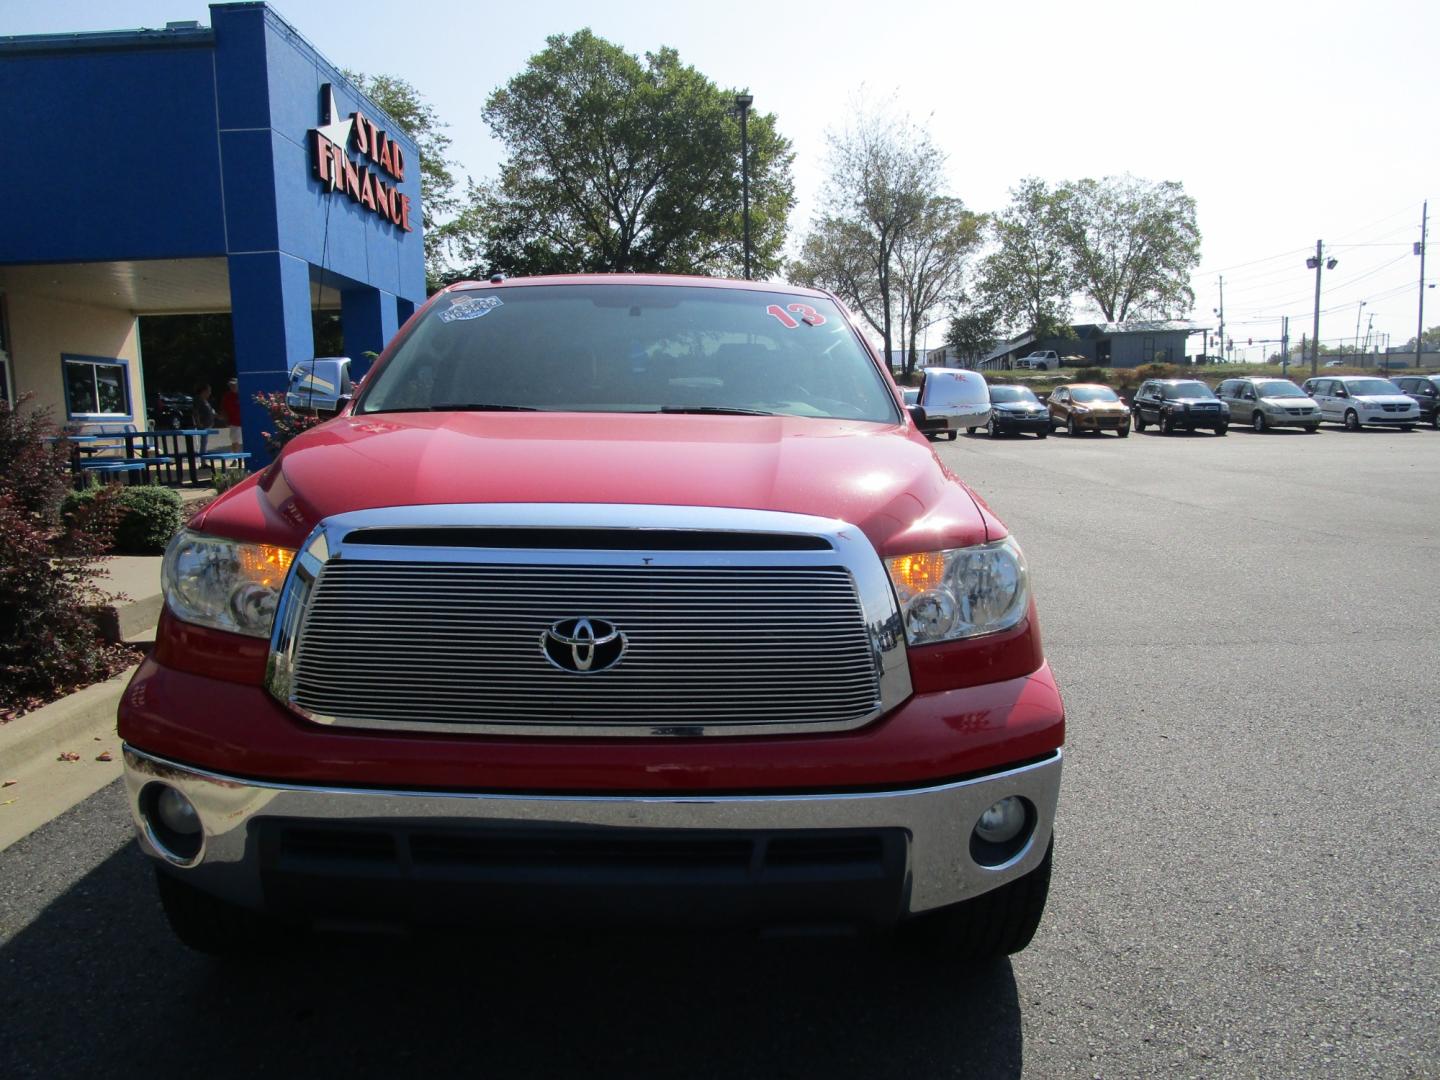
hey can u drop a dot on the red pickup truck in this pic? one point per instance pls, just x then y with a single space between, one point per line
630 599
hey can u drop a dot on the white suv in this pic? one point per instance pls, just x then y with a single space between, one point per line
1362 400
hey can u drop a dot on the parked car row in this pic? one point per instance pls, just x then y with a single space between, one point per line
949 399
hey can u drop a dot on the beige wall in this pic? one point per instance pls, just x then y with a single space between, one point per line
41 330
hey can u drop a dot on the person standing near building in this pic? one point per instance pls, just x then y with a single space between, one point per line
202 413
230 410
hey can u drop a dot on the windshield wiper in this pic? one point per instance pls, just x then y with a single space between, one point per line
718 410
477 406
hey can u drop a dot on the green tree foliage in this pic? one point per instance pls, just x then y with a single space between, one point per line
1131 243
884 174
444 223
623 163
930 261
973 332
1431 339
1027 279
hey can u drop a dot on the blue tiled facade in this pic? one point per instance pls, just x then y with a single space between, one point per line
199 142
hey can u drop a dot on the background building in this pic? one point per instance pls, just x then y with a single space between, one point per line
228 168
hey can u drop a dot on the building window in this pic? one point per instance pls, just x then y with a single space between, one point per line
96 388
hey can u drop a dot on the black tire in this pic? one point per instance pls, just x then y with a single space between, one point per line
1070 428
1352 420
999 923
1311 429
1257 421
991 429
1167 425
1223 429
1435 420
1043 433
1407 427
1123 432
968 431
1139 422
210 925
952 434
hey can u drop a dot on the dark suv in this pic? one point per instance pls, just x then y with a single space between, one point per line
1179 403
1425 389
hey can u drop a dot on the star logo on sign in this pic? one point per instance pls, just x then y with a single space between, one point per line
337 131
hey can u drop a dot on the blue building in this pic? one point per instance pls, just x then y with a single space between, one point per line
228 168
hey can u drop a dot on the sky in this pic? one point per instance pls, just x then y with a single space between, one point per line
1287 122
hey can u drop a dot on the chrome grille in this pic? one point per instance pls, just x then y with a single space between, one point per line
458 643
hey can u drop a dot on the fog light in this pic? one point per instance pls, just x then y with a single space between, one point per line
1002 822
176 812
172 824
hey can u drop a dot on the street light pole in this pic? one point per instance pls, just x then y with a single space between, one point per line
1420 322
743 103
1359 311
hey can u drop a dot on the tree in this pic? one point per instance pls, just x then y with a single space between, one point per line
930 260
447 230
622 164
1431 340
1026 281
973 332
882 178
1132 245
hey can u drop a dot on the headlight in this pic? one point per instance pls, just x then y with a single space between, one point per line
962 592
224 584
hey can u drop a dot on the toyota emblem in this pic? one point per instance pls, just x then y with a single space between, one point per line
583 646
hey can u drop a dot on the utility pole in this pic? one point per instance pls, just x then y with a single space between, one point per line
1359 311
1222 315
1318 263
1420 322
1285 346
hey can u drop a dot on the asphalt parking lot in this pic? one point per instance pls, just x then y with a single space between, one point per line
1246 877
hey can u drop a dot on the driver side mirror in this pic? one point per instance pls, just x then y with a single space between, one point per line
320 387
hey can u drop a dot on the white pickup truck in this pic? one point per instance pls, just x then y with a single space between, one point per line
1042 360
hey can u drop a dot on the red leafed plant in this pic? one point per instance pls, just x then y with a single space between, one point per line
287 423
50 641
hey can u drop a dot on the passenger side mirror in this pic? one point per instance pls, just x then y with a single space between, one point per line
917 414
320 387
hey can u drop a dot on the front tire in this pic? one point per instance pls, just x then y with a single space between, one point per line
1167 425
1223 429
991 429
998 923
1352 420
1407 427
1258 423
1070 428
1311 429
1043 433
952 434
1123 432
1139 421
213 926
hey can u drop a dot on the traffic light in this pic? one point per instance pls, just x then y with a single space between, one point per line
1251 341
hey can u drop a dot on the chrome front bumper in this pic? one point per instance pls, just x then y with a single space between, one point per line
938 821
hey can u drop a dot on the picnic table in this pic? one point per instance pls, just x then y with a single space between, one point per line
190 454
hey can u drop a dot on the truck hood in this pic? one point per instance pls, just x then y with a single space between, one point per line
883 478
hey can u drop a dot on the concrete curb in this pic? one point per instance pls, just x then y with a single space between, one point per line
44 732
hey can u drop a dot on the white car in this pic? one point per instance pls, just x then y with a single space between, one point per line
953 398
1044 360
1361 401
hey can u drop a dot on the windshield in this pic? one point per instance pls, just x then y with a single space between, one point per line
1278 388
1013 393
632 349
1094 393
1371 386
1188 390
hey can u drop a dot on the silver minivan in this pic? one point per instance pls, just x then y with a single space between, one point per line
1266 403
953 398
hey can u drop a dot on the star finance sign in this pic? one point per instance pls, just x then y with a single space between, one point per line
332 144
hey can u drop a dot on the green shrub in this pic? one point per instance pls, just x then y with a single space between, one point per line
1090 374
225 479
145 517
